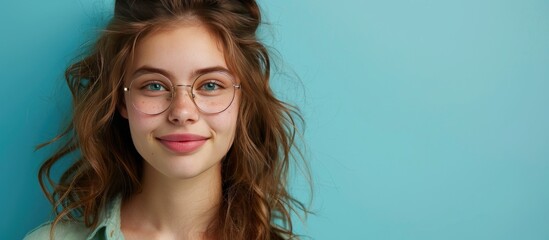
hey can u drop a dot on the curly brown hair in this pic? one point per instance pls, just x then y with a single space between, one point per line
256 202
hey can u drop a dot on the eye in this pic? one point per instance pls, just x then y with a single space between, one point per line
155 86
210 86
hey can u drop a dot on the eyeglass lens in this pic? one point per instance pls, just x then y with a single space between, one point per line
211 92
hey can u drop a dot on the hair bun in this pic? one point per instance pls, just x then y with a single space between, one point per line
253 9
143 10
139 10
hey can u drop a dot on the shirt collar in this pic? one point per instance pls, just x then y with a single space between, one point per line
109 222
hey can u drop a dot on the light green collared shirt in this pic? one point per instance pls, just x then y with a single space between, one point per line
108 227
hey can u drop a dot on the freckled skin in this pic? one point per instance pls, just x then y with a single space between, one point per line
180 52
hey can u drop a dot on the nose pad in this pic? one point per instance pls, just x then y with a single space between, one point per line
183 97
183 108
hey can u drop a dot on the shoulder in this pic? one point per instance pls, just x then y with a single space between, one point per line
109 220
63 230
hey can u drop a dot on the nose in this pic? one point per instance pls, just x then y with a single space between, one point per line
183 110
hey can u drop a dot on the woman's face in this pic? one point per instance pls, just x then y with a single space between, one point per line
181 142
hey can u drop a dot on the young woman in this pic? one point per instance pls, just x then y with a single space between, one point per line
177 131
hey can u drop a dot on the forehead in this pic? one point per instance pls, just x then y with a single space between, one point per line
178 49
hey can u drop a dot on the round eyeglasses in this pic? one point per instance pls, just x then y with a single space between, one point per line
211 92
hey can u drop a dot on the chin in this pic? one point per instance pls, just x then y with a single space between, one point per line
191 171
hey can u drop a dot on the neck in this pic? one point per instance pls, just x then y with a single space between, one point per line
174 208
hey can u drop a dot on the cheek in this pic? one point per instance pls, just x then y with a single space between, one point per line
225 123
140 126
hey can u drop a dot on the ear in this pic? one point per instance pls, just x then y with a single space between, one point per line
123 110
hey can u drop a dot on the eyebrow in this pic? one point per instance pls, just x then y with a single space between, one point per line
148 69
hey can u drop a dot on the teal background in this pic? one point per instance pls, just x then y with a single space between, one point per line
425 119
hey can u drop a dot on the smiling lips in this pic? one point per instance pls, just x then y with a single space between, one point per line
182 143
